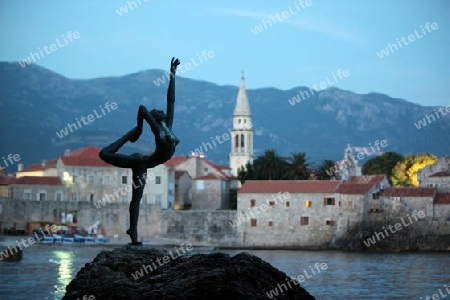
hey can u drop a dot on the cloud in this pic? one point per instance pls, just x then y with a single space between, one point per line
316 26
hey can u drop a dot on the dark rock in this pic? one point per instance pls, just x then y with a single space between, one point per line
186 276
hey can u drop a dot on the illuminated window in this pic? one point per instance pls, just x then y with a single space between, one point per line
304 221
252 202
253 222
308 203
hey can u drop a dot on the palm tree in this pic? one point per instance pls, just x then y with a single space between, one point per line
269 166
298 168
326 170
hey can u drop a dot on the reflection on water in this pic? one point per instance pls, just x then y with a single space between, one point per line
64 261
45 271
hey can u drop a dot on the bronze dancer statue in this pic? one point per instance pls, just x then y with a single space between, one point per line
165 140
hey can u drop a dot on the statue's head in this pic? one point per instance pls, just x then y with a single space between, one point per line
158 115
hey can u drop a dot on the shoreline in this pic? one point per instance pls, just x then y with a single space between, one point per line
6 241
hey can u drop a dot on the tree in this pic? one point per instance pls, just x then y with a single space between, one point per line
383 164
405 171
297 167
326 170
246 173
233 198
270 166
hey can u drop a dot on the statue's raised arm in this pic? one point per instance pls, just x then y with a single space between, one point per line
171 92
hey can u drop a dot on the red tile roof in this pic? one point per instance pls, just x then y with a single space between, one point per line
38 180
90 151
354 188
442 198
409 192
4 180
175 160
440 174
217 166
210 177
87 156
291 186
40 167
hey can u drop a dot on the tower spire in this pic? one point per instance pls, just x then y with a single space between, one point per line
242 106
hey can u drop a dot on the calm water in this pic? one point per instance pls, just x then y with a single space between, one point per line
45 270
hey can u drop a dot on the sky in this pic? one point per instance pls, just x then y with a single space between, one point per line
300 43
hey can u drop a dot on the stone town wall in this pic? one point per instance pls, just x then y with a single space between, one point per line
214 227
203 226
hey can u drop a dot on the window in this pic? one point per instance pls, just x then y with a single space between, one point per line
350 204
242 140
375 195
288 204
158 199
308 203
124 199
329 223
124 179
107 179
245 120
340 203
329 201
158 180
91 197
200 184
304 221
74 197
73 178
91 179
270 223
206 170
252 202
253 222
41 197
271 203
27 195
58 196
239 120
236 141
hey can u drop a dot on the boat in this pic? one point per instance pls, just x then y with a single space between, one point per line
68 240
89 240
79 238
57 238
46 240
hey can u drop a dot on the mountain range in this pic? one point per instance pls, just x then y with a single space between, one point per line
38 105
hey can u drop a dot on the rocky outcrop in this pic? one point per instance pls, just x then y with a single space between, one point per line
138 272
